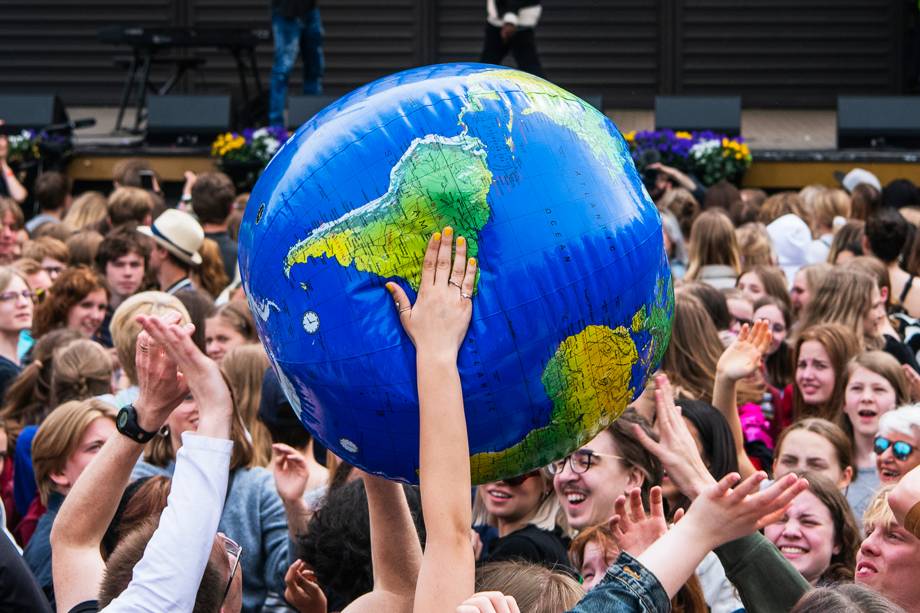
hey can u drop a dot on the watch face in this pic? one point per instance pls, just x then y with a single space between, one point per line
122 418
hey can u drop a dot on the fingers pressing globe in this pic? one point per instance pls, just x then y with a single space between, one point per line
442 272
456 274
431 260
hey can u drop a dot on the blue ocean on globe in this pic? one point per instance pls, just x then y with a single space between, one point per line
573 303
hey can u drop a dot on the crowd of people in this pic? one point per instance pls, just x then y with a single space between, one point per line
151 462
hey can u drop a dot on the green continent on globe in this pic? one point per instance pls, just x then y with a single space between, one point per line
587 380
438 181
557 105
657 322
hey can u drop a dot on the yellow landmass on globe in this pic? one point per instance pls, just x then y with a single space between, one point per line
587 380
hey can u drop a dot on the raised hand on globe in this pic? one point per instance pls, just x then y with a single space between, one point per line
564 333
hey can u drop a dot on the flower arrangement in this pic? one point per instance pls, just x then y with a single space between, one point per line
243 155
711 157
23 147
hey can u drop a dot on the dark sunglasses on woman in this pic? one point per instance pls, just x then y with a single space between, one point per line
900 449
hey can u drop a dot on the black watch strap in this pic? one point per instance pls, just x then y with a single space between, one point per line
126 423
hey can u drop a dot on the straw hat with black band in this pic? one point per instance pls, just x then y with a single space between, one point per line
179 233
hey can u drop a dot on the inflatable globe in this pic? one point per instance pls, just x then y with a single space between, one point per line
573 302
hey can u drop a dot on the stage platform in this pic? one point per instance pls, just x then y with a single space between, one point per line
790 148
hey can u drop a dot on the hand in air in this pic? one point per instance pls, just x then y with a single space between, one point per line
438 321
198 371
723 513
489 602
161 387
743 357
290 471
675 447
633 529
301 589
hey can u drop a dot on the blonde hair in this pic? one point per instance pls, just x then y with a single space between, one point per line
712 241
755 246
843 297
210 275
536 588
244 367
829 204
125 329
82 369
6 275
88 209
543 517
129 205
781 204
59 436
879 513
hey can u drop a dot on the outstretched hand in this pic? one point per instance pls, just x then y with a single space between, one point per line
438 320
633 529
743 357
161 386
914 380
723 513
675 447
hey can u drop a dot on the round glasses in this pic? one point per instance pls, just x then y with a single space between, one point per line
580 461
900 449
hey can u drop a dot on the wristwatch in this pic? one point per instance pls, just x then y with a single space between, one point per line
126 423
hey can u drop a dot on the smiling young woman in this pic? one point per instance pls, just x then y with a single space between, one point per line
818 534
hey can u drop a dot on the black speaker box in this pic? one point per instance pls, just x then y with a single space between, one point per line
187 120
301 109
31 111
878 122
697 113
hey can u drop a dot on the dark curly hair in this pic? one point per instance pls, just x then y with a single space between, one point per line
337 544
71 286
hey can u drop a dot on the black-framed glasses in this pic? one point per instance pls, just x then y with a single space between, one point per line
234 552
516 481
900 449
580 461
10 296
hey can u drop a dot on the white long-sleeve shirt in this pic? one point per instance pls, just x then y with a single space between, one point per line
168 576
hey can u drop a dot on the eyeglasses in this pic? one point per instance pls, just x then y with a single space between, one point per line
516 481
580 461
53 271
10 296
900 449
234 553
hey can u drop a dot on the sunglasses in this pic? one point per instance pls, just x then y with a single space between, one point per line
900 449
515 481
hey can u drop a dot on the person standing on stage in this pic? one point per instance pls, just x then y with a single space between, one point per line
296 28
511 27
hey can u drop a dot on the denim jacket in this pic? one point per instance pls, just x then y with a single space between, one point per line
627 587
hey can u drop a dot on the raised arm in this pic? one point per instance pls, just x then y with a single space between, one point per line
437 325
396 553
163 580
88 509
739 360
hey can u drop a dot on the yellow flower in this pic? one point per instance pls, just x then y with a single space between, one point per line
684 135
630 136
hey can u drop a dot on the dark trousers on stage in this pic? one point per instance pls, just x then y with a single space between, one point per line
523 47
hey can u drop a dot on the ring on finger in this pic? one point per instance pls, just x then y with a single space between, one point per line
404 309
455 284
466 296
